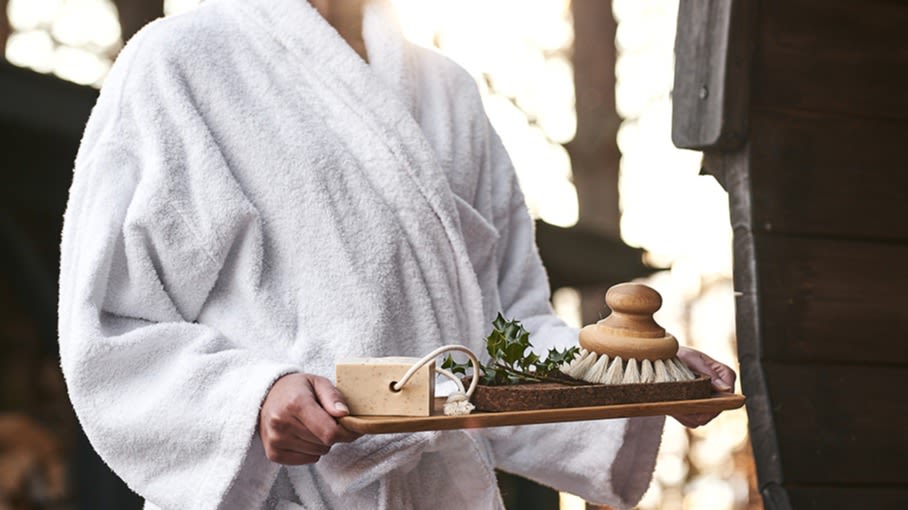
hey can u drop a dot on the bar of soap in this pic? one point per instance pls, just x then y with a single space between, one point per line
366 385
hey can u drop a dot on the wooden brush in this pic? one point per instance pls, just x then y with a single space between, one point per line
628 347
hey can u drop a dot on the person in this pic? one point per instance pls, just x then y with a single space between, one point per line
265 187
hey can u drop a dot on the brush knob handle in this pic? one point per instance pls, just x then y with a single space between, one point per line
630 331
633 306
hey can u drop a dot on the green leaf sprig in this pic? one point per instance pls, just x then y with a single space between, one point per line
509 363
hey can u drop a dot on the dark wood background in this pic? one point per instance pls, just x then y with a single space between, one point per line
819 199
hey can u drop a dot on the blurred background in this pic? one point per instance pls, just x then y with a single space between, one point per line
580 92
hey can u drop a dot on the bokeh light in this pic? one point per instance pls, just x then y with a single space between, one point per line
681 219
522 66
74 39
173 7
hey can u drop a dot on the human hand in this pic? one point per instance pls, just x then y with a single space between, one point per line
722 377
297 421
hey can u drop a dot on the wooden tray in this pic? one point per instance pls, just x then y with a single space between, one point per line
438 421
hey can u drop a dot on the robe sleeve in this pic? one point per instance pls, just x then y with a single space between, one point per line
170 403
608 461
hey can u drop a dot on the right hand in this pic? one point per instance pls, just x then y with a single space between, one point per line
297 421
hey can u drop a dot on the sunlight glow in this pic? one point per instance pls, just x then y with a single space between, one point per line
522 67
30 14
87 23
172 7
681 219
74 39
570 502
79 65
33 49
566 302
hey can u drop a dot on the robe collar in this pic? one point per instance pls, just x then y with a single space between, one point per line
382 91
302 30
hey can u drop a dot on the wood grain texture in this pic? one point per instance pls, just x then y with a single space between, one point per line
848 497
736 179
135 14
712 61
594 149
829 175
393 424
832 301
840 424
5 29
841 56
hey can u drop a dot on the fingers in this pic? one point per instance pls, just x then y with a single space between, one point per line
315 420
295 426
291 458
294 452
329 398
721 376
303 447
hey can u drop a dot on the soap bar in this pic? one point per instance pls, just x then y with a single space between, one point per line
366 383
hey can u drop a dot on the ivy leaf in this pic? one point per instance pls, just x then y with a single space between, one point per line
511 357
455 367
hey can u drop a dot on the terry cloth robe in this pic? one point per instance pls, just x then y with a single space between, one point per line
252 199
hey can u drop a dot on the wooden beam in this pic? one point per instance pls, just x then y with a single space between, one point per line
822 498
840 424
135 14
736 176
594 150
829 175
837 56
576 257
5 29
710 97
832 301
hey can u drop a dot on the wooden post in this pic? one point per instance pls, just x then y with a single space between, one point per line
135 14
5 29
594 150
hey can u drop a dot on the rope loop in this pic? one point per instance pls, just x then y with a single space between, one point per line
458 403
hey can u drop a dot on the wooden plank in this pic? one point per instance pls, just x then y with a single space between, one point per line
4 24
393 424
580 257
712 62
842 56
44 103
829 175
135 14
840 424
833 301
594 150
880 498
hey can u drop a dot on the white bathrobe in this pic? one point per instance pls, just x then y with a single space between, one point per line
252 199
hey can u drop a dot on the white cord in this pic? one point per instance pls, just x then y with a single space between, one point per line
458 402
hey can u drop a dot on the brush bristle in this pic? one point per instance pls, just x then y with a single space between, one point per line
591 367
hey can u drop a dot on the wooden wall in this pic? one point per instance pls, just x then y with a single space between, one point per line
819 199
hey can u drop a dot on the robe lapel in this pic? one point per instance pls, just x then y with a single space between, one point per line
382 95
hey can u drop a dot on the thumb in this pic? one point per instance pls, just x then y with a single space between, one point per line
330 399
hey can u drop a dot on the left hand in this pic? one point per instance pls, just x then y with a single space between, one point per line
722 376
